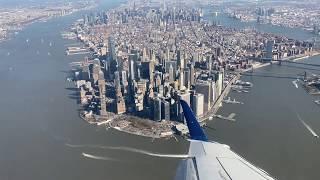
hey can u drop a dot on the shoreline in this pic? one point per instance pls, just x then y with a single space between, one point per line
116 121
132 125
258 65
10 33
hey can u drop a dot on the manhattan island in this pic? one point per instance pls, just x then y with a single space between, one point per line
149 56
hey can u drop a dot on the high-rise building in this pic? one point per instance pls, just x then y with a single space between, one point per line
179 59
269 49
171 74
187 78
132 70
204 87
198 104
147 69
117 80
172 64
124 78
121 106
181 80
209 61
192 73
186 97
95 73
219 83
112 48
102 91
165 110
85 75
213 94
157 109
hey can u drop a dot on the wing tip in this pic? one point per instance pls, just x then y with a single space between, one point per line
194 127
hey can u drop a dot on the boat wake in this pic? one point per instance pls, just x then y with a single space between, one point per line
134 150
308 127
98 157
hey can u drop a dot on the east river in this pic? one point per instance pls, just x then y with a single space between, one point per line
268 130
42 136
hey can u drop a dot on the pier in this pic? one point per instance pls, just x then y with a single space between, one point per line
213 110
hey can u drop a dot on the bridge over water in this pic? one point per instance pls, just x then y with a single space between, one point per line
295 62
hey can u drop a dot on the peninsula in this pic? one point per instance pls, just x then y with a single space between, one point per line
146 57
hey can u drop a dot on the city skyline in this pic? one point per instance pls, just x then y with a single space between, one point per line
103 90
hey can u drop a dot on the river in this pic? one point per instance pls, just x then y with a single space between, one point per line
226 21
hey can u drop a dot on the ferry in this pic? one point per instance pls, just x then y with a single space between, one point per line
244 83
229 101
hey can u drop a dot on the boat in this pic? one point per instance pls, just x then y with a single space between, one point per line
229 101
317 102
244 83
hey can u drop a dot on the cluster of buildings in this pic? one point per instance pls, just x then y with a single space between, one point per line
149 56
12 19
278 49
294 14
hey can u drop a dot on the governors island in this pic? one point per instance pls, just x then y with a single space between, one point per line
146 57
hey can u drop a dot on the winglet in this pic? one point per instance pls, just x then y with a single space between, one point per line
194 127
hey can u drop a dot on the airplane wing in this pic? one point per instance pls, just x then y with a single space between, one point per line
212 160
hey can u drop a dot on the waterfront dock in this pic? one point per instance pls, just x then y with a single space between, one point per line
213 110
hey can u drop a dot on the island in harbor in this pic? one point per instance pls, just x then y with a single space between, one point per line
145 58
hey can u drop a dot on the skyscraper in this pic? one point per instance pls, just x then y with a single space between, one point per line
132 70
157 109
102 91
124 78
269 49
204 87
165 110
187 78
197 104
173 64
192 79
181 80
186 97
171 73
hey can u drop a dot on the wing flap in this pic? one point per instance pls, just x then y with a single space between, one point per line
216 161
